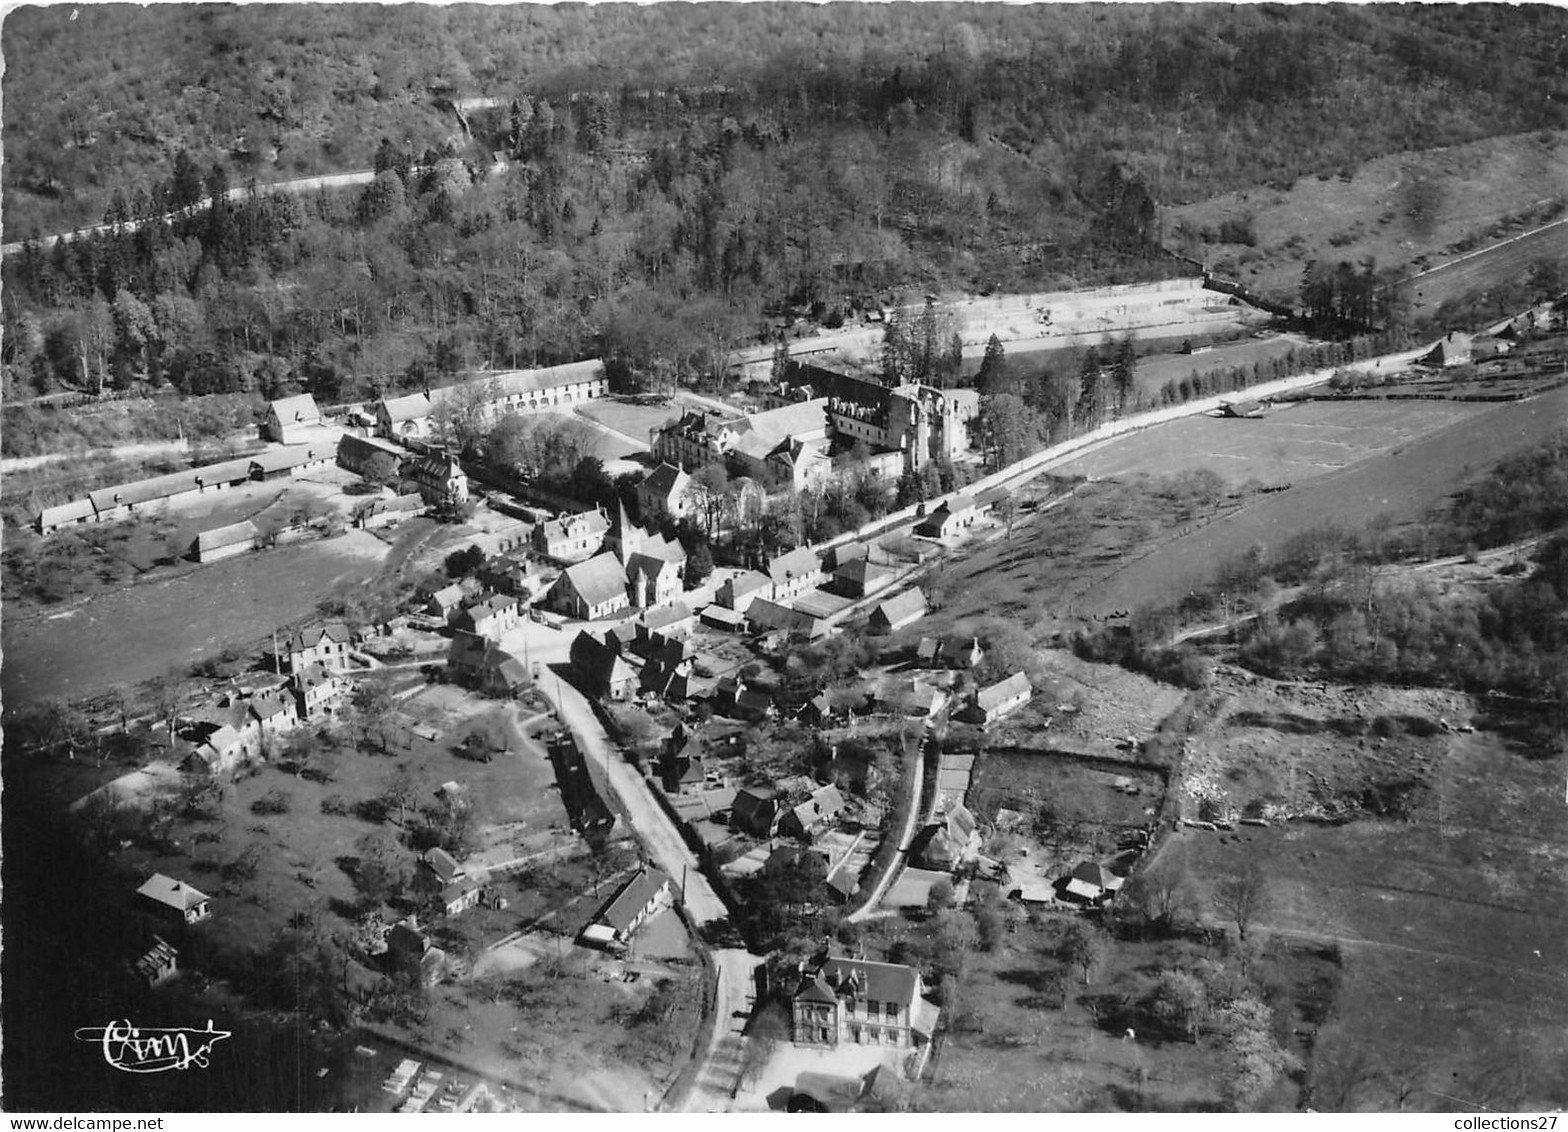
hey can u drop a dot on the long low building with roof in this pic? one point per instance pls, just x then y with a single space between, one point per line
411 416
120 501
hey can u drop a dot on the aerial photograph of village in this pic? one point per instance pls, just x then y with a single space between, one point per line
781 557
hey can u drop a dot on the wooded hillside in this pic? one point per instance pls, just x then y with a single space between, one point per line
673 171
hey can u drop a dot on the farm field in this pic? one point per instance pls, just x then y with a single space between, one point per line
1451 915
1155 370
1330 218
1506 262
140 631
1293 442
1403 484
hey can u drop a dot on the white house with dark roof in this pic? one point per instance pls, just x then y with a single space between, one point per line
631 906
189 904
287 417
793 573
992 703
663 492
571 538
328 645
591 590
860 1002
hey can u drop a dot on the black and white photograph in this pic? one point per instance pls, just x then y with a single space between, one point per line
784 557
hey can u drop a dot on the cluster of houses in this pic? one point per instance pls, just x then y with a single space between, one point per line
241 720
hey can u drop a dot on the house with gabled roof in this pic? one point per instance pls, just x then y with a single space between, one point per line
857 1001
436 476
631 906
493 616
793 573
604 673
669 620
571 538
809 817
738 591
765 616
176 898
288 417
662 492
898 611
480 663
992 703
328 645
591 590
316 690
680 764
446 602
225 542
951 516
860 577
757 810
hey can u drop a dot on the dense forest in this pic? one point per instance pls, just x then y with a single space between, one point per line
651 182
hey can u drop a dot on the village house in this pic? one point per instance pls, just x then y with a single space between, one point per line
571 538
662 494
493 617
680 761
461 895
992 703
446 602
860 577
631 906
734 698
437 477
962 653
410 949
514 574
840 1001
950 517
807 819
738 591
674 619
769 617
328 645
604 673
176 898
757 811
289 417
591 590
943 845
480 663
898 611
316 690
794 573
